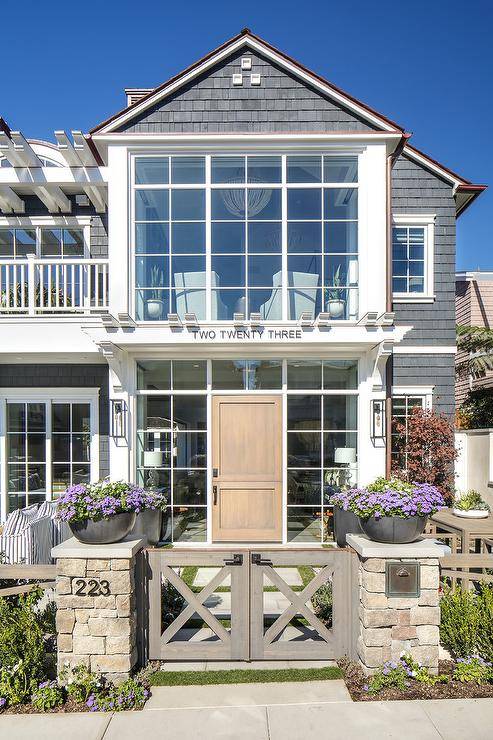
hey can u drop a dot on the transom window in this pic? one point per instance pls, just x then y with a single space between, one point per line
42 241
216 235
320 435
48 448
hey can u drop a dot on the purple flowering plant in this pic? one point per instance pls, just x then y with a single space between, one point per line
102 500
390 497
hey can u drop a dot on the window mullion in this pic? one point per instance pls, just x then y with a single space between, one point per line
49 451
208 240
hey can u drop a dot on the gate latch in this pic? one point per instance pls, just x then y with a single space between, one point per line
237 559
258 560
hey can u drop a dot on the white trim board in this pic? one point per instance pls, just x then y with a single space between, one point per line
425 350
256 45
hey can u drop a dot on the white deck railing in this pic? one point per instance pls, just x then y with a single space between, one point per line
38 286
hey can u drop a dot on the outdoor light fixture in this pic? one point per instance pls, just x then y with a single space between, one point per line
378 418
255 319
174 319
191 319
118 418
306 318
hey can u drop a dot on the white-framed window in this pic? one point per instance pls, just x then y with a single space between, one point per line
404 400
49 440
273 234
412 257
320 436
45 237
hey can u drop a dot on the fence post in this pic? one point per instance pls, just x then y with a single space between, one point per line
390 624
96 606
31 284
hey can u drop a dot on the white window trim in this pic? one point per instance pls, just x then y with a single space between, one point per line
428 222
424 391
47 395
56 222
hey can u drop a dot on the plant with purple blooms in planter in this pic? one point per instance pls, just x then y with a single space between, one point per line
345 521
393 510
105 512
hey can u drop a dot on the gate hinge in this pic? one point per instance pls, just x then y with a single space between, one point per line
237 559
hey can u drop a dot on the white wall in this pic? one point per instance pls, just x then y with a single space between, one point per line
474 467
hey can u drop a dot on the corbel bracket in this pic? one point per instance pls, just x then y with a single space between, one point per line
380 355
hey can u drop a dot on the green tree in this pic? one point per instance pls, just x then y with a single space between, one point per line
477 343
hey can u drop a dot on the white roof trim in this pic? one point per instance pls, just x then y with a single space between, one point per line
270 54
423 160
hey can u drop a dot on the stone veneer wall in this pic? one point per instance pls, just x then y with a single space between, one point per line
389 626
97 631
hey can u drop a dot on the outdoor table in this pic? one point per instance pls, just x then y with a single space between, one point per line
469 530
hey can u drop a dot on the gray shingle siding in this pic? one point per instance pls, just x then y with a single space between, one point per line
66 376
211 103
436 370
416 190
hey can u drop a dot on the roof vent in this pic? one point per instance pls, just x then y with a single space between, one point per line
136 93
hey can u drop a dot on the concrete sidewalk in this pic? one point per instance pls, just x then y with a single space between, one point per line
297 711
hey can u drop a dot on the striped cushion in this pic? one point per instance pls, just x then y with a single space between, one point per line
31 512
16 522
47 508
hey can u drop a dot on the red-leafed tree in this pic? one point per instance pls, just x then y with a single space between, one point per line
425 450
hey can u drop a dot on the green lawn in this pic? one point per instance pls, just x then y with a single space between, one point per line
202 678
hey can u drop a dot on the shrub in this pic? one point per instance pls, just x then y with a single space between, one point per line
459 622
473 670
322 603
22 648
47 696
471 500
477 410
398 674
80 683
425 449
484 638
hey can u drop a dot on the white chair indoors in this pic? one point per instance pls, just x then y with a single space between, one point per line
302 299
191 295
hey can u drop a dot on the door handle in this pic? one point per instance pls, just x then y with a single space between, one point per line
215 472
237 559
258 560
214 494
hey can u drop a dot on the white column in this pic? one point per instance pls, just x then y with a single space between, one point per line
371 463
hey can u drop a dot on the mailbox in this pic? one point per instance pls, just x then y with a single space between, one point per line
402 579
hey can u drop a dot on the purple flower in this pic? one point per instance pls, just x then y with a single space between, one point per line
3 701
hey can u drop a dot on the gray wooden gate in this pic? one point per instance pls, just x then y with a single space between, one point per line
251 604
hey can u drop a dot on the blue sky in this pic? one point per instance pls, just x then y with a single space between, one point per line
427 65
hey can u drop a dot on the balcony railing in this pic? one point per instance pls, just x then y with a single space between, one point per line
53 286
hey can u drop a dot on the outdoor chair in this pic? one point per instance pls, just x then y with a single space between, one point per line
27 538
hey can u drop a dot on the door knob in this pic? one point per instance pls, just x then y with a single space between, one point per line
214 493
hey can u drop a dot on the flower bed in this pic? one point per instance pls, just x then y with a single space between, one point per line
405 679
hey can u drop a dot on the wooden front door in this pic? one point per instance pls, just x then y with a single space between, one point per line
247 469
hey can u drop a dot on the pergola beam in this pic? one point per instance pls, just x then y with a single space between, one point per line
8 150
54 198
10 201
83 149
27 155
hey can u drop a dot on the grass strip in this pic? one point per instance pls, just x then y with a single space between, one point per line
203 678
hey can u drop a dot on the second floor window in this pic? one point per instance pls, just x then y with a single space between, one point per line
275 235
413 257
46 242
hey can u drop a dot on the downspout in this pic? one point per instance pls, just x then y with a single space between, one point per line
389 367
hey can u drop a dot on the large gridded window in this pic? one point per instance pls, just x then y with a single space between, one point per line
43 241
48 446
408 259
217 235
320 428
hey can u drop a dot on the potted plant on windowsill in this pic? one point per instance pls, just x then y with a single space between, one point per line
394 511
105 512
470 505
335 305
155 304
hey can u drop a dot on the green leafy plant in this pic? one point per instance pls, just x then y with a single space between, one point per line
484 635
322 603
476 412
460 618
47 696
102 500
473 670
22 648
80 683
129 695
477 344
392 675
156 281
334 293
421 673
471 500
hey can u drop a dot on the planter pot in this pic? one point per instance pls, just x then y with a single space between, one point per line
393 529
148 525
104 532
345 522
155 308
471 513
335 308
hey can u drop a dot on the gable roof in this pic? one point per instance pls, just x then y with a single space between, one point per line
246 37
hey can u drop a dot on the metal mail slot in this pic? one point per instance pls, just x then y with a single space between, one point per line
402 579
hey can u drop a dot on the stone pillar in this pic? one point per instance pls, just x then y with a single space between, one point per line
388 626
96 606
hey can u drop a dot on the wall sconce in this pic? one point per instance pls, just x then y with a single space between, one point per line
378 418
118 418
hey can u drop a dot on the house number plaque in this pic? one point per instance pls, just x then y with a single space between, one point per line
91 587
